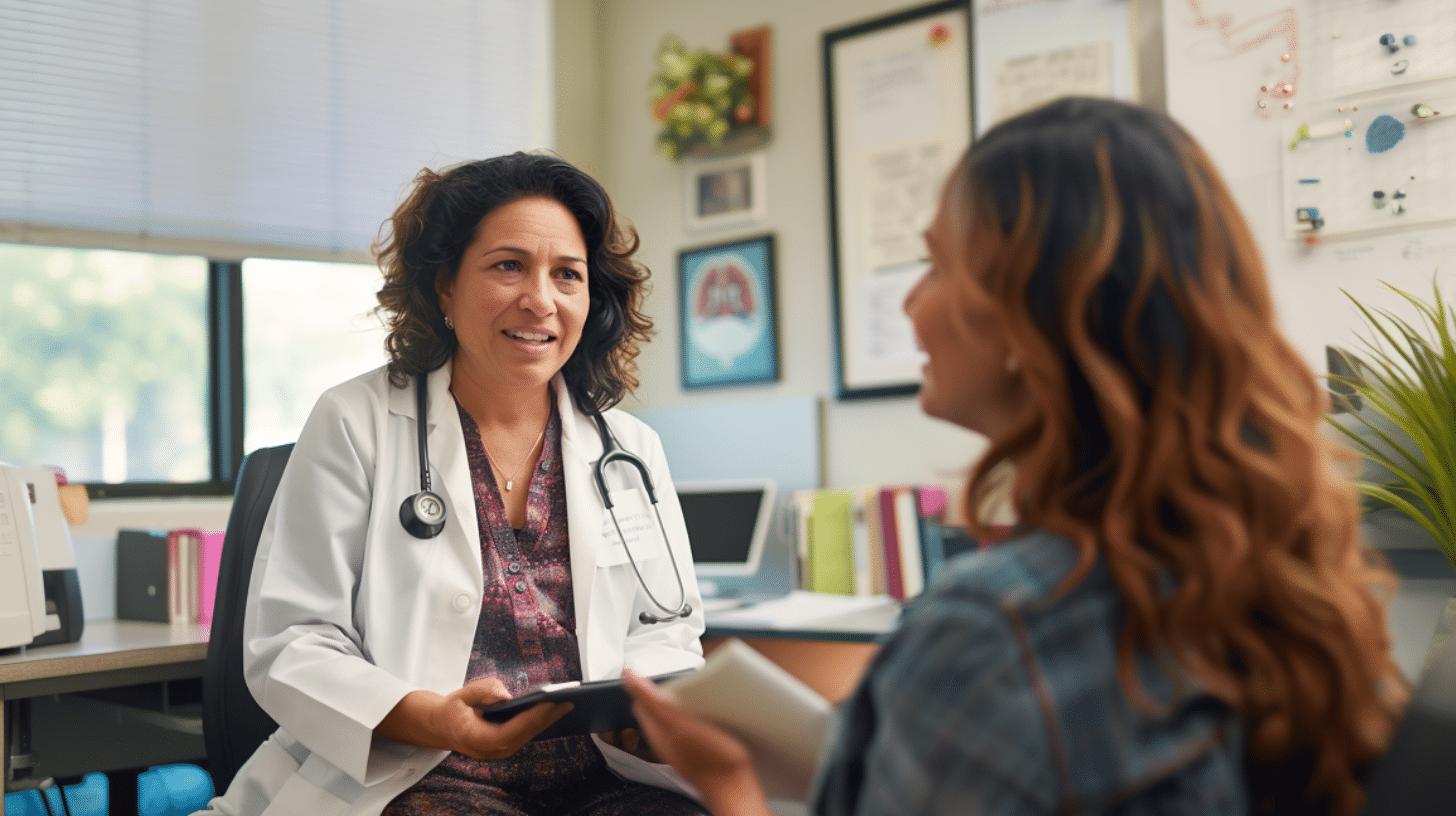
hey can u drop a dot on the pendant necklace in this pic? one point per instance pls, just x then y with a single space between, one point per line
510 482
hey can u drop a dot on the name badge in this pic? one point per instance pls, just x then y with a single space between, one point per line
638 524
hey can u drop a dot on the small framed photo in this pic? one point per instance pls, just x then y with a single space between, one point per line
726 192
729 314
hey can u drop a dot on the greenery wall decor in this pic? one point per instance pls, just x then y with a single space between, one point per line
711 104
1406 423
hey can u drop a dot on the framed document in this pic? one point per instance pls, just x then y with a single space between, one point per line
726 192
897 118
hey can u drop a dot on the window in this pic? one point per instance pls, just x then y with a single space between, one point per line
107 366
103 363
195 134
306 326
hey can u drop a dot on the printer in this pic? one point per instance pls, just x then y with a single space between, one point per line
40 592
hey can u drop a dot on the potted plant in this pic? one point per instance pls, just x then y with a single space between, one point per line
1402 420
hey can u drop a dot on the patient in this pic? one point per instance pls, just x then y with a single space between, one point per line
1185 620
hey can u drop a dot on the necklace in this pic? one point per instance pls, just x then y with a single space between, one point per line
511 482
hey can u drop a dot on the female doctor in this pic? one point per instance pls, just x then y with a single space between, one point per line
513 310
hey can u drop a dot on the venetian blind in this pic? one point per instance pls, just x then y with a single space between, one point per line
279 122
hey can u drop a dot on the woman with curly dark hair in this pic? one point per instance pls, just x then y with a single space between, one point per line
376 630
1185 620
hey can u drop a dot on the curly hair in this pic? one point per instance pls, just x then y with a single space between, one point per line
1176 435
428 235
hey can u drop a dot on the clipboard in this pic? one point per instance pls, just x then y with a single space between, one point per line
600 705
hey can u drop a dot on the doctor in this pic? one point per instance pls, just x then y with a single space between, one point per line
510 292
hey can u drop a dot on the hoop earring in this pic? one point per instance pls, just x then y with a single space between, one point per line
448 324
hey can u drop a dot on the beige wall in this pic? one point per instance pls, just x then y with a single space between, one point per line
886 440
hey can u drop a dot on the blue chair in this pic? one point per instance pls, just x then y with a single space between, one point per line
172 790
89 797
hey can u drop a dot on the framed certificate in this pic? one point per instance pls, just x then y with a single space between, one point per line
898 116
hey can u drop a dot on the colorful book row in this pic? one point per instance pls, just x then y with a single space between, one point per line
167 576
870 540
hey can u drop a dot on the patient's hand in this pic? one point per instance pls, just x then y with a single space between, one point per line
714 761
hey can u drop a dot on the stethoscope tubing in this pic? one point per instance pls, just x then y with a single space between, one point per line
423 514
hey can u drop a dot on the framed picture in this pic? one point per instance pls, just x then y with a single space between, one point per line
729 314
725 193
897 118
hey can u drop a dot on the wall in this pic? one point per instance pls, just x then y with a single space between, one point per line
1217 55
887 440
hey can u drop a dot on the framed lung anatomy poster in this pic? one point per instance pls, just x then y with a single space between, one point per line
898 116
729 314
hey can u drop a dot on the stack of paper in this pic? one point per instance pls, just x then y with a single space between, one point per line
781 720
801 607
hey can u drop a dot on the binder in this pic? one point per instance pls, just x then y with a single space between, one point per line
143 581
209 556
831 543
894 583
930 501
907 527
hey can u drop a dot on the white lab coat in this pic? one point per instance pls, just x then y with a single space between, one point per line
347 612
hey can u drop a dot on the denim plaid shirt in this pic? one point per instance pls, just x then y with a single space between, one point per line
993 696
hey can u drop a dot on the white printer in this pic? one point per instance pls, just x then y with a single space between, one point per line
40 594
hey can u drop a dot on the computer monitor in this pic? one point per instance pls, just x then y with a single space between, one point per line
728 522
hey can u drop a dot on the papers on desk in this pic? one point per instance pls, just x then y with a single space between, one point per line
801 607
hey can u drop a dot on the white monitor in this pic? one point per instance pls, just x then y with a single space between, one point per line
728 522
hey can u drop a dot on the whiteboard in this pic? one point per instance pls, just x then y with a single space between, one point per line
1223 57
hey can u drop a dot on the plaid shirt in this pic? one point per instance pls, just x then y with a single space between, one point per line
993 696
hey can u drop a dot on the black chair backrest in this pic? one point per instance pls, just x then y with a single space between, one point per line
233 726
1415 776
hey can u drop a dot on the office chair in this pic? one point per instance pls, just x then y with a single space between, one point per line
233 726
1414 777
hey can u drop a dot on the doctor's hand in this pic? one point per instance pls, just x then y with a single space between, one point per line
714 761
451 721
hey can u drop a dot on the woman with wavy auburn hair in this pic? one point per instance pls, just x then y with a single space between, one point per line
1184 620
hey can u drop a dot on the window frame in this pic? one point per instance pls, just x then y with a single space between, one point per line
225 396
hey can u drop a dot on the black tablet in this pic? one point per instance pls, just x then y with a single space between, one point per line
599 705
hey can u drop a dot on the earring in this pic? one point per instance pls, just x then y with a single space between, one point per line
448 324
1013 365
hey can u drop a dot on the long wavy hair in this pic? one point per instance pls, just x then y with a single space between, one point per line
427 237
1176 434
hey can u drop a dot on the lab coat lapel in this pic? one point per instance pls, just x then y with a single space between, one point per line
581 447
451 467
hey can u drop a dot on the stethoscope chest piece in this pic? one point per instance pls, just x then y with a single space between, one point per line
423 514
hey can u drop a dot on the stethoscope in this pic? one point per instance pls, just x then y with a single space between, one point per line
423 514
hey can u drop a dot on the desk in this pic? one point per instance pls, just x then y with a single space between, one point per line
110 653
829 654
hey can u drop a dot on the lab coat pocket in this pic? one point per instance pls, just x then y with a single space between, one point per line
637 521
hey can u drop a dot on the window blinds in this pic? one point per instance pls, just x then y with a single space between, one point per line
277 122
